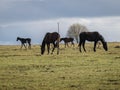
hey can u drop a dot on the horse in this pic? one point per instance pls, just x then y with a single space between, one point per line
67 40
24 42
49 38
91 36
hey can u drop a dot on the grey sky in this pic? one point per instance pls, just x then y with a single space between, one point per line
33 18
25 10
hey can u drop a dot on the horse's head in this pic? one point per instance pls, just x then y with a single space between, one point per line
103 42
42 48
105 46
17 38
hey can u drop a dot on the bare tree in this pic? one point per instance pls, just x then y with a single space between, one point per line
75 29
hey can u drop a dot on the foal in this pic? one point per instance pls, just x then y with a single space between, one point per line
67 40
24 42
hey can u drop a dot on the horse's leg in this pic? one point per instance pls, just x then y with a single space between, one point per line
48 48
57 45
24 46
53 48
84 46
21 46
29 42
67 44
95 46
80 46
72 44
29 45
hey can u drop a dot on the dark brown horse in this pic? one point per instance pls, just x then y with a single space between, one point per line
24 42
49 38
91 36
67 40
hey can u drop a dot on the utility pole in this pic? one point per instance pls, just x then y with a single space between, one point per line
58 27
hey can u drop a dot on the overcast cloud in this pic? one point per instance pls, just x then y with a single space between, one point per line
33 18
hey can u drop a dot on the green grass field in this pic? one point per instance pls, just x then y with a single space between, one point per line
71 70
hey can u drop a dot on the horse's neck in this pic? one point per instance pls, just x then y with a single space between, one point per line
20 39
62 39
102 40
43 43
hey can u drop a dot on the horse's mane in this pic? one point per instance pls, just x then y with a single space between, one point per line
102 38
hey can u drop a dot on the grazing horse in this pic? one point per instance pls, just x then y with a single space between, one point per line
67 40
24 42
49 38
91 36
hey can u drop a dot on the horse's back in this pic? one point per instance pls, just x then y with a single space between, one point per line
71 39
28 40
90 36
51 37
66 39
55 35
89 33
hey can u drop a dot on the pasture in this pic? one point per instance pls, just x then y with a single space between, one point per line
70 70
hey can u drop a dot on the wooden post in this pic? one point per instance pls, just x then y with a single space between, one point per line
58 27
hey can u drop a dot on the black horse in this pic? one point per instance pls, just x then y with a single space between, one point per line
91 36
67 40
49 38
24 42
